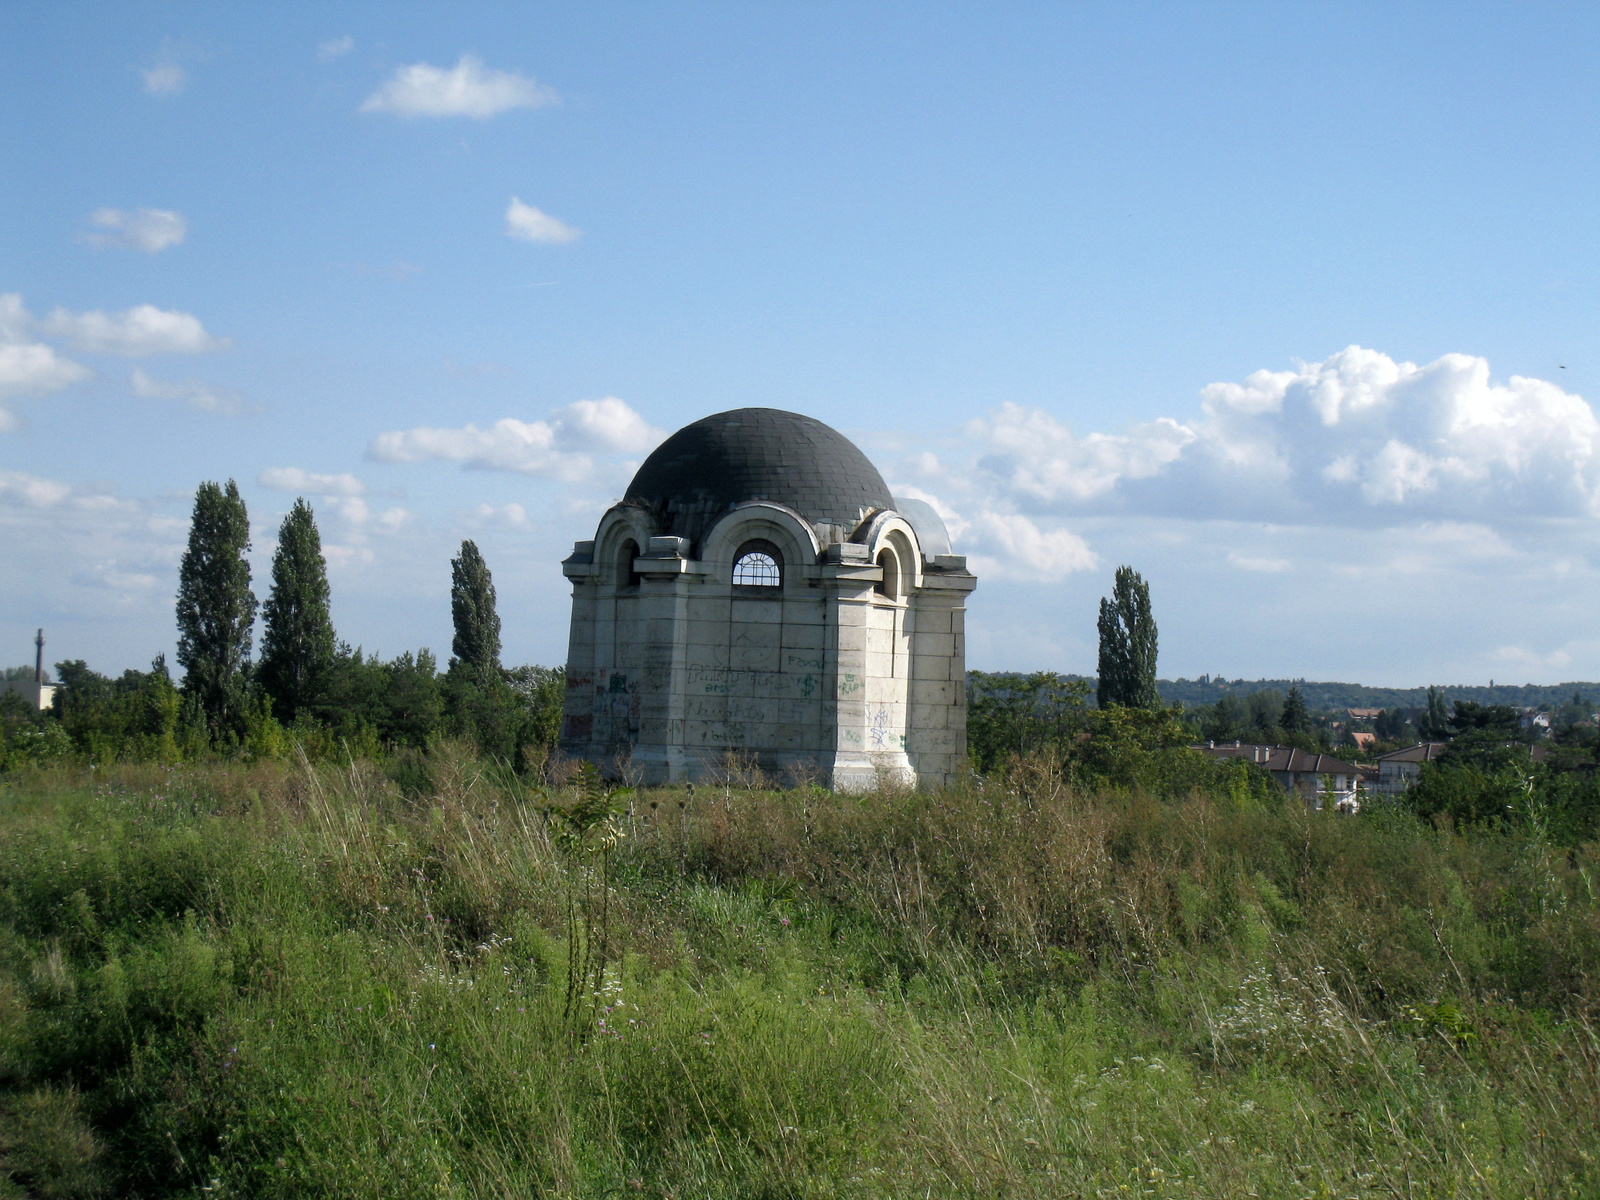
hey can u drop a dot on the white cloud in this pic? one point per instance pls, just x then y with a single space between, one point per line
108 576
148 229
335 48
507 445
608 426
15 321
143 329
511 516
28 368
1521 656
165 79
558 448
529 224
1045 460
196 393
16 487
294 479
1250 562
91 549
466 90
1357 439
344 558
1010 546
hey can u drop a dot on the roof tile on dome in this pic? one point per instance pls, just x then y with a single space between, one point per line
748 454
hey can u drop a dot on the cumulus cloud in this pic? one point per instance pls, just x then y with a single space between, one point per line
142 330
608 426
196 393
1256 562
27 367
1010 546
149 229
561 447
1041 458
335 48
294 479
530 225
510 516
165 79
85 551
468 89
1360 441
1356 439
17 487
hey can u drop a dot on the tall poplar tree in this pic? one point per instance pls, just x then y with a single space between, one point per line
1434 724
476 643
297 644
1128 645
216 607
1296 717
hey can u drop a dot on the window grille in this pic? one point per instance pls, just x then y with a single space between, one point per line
757 569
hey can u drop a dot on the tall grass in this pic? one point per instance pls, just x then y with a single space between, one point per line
351 981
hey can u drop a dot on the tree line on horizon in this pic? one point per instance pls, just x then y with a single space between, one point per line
311 691
306 686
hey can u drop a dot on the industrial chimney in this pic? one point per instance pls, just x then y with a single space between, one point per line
38 661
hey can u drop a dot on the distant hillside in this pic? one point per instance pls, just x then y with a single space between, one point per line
1206 690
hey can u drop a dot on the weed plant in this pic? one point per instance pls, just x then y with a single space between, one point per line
308 980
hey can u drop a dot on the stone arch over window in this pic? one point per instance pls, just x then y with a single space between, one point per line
627 577
889 586
758 564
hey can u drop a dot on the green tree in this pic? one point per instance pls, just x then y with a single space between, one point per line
1491 720
1127 645
1266 712
1392 725
216 608
1434 724
1012 714
136 717
544 691
1228 719
476 643
1296 718
297 642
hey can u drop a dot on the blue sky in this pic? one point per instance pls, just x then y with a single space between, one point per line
1292 307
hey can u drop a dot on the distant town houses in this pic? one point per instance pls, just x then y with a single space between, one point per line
1320 779
1400 769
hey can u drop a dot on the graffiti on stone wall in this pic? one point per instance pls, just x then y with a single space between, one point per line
616 709
879 732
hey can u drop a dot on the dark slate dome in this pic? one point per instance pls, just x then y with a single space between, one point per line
706 468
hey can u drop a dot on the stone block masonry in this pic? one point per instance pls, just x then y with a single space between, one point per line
785 610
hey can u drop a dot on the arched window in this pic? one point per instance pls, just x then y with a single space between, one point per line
758 564
627 577
889 586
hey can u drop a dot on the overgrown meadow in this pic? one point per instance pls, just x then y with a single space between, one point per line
428 978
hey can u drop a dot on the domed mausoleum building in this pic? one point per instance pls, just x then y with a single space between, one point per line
759 590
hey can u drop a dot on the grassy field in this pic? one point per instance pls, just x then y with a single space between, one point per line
413 980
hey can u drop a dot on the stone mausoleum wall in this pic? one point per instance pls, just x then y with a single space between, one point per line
852 667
